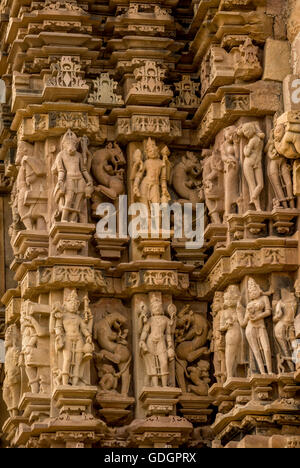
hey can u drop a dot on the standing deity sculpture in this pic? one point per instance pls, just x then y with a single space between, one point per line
73 338
230 327
150 175
156 342
258 308
74 182
185 178
34 352
218 341
231 169
30 191
279 173
12 373
252 160
114 358
284 313
191 335
213 186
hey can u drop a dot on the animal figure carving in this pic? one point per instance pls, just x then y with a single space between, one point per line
111 335
108 170
185 178
190 338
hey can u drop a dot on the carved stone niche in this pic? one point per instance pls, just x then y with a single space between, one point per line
192 364
112 359
65 81
240 64
149 87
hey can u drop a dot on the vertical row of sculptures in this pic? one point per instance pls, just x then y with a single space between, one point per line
233 173
243 343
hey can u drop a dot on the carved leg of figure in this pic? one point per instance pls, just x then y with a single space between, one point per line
217 366
15 391
27 222
180 375
33 379
66 366
125 379
78 205
232 347
76 370
230 362
286 175
254 189
264 339
276 184
254 345
193 355
68 204
280 333
41 223
7 397
154 381
164 367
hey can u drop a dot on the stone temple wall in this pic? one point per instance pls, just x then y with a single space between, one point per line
136 341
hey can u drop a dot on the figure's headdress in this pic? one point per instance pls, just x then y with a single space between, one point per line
155 298
70 137
151 145
252 285
71 295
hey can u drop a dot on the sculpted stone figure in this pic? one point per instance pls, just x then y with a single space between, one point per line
213 184
185 178
258 308
12 379
279 173
218 341
191 335
30 187
252 165
111 335
108 169
156 341
73 338
34 351
229 325
150 176
199 375
287 142
74 182
231 169
284 313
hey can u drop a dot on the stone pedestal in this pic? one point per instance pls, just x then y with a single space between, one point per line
31 244
239 389
261 386
160 400
215 235
111 249
74 400
153 249
195 408
70 238
160 432
114 407
35 407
